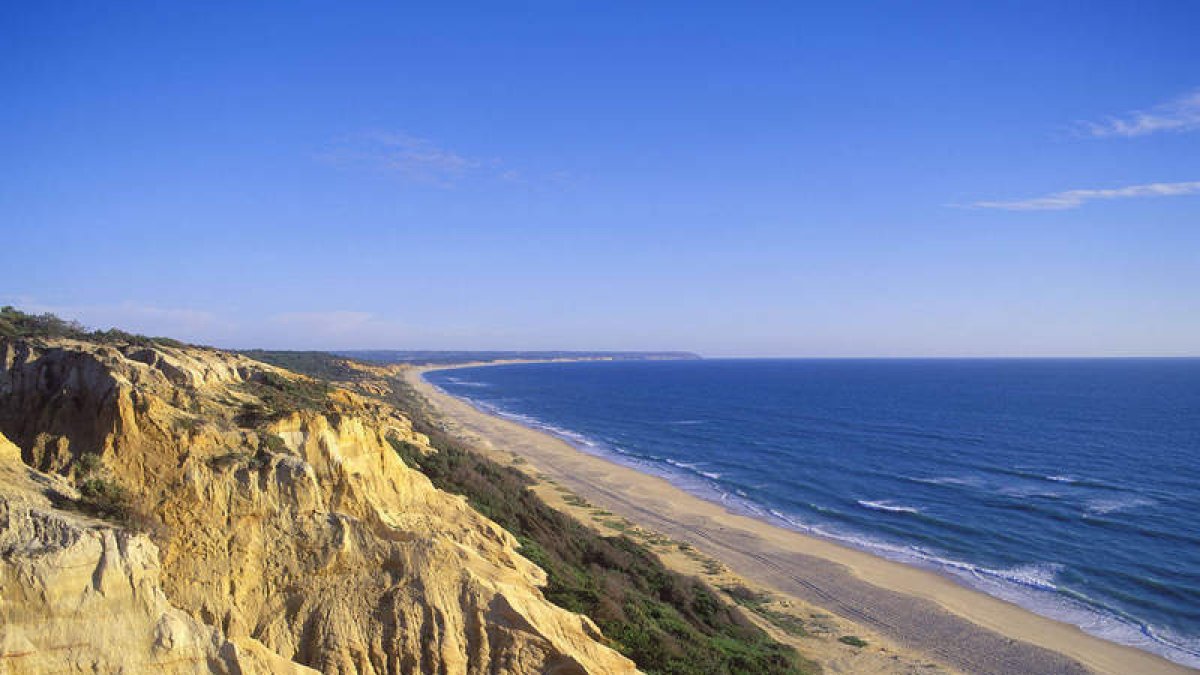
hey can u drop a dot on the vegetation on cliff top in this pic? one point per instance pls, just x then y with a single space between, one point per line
321 365
665 622
17 324
279 396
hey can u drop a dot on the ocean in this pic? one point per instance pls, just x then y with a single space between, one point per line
1068 486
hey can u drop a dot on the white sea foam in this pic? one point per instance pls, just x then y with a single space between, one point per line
1063 479
1022 491
884 505
1100 507
1034 575
466 383
694 467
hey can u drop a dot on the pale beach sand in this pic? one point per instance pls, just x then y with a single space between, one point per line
915 621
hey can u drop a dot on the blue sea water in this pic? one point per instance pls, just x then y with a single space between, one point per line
1069 486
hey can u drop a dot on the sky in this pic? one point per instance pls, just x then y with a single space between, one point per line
737 179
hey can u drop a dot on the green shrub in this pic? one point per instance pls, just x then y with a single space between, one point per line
853 641
408 452
105 498
230 458
88 464
273 443
759 604
280 396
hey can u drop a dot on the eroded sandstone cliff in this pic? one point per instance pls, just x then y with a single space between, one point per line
282 531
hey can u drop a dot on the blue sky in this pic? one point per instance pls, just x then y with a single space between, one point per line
936 178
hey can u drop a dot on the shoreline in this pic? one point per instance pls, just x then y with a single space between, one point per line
919 613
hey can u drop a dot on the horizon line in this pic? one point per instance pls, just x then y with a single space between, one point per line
717 357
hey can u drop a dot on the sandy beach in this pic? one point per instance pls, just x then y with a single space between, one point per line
913 620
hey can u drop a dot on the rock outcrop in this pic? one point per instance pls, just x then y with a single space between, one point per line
290 533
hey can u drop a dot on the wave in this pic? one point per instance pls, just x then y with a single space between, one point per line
1040 576
1026 491
1099 507
1084 482
885 505
1030 488
1063 478
1034 486
694 467
1030 473
466 383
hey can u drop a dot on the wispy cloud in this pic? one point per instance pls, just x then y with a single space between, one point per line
1071 199
1181 114
413 158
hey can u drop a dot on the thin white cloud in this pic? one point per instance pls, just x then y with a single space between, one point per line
412 158
1071 199
1179 115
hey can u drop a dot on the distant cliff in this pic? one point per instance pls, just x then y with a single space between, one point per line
166 508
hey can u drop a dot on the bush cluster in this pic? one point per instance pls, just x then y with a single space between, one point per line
281 396
321 365
105 498
17 324
102 496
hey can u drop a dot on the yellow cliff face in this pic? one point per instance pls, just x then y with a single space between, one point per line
77 595
301 537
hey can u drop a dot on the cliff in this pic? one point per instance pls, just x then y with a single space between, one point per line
253 521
